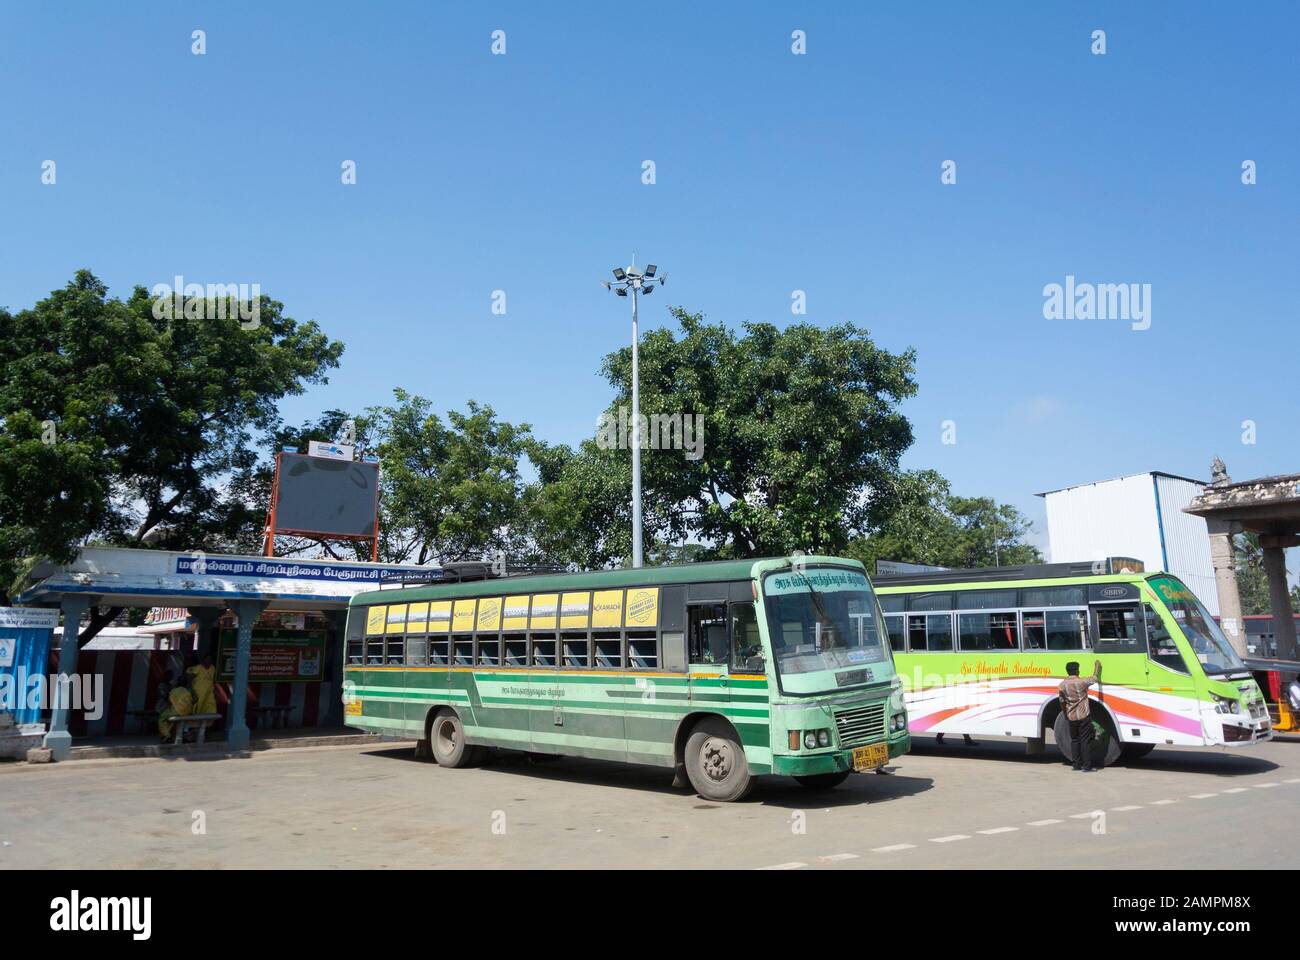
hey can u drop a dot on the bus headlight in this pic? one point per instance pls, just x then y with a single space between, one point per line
1225 705
823 738
898 722
810 739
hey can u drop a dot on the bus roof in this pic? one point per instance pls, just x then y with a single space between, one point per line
595 580
1033 571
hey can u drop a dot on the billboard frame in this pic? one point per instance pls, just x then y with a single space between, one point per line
272 530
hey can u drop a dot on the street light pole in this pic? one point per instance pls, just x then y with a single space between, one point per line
633 282
637 558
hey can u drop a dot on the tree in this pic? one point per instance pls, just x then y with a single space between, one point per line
798 438
120 422
930 525
449 490
1252 580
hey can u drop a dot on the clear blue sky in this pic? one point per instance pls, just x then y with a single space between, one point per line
775 172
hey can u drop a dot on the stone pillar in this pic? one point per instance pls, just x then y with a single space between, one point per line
236 725
1225 579
1278 595
58 740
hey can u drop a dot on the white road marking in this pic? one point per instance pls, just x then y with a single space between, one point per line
1292 780
1162 803
989 833
1203 796
1084 816
1043 823
793 865
950 838
1235 790
892 847
831 858
1131 806
1265 786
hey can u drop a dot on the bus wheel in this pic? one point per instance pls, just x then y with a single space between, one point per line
824 781
1105 747
1135 751
715 762
447 741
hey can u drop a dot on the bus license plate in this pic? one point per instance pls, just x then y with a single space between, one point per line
352 708
870 758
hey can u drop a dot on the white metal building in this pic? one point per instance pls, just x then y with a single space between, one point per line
1139 516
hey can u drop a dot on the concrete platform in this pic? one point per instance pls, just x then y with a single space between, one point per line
109 748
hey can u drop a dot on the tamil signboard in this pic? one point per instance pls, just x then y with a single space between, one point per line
288 656
28 618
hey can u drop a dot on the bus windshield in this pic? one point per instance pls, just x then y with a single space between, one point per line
1209 644
822 619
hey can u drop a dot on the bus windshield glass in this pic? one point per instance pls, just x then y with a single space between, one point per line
1209 644
823 619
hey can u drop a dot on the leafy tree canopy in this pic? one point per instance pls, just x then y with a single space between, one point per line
120 424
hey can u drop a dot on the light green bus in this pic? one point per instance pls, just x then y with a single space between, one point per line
721 671
981 652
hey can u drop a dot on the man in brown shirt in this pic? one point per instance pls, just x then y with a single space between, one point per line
1074 701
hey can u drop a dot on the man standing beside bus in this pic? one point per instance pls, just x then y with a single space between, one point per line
1074 701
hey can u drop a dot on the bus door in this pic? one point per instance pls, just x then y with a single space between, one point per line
1119 642
708 649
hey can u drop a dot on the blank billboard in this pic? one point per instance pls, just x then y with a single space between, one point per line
319 495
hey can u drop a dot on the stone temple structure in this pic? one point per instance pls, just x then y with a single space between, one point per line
1270 508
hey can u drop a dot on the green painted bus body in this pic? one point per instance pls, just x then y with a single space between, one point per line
632 715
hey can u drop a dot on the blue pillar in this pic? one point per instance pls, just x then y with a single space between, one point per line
58 740
236 726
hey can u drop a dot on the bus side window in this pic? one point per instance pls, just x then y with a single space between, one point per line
897 634
1160 644
706 625
746 648
1118 630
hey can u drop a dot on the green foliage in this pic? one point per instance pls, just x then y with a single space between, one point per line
449 490
930 525
801 436
1252 580
120 424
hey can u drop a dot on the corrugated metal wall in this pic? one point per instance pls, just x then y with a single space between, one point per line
1106 519
1187 543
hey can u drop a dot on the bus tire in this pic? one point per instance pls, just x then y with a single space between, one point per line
715 762
1135 751
1105 749
823 781
447 741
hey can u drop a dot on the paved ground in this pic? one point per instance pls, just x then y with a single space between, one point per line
949 805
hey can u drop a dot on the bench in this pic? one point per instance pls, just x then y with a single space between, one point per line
276 716
199 721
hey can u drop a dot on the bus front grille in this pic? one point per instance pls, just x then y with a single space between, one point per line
860 725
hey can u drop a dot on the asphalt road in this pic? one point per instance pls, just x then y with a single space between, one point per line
945 806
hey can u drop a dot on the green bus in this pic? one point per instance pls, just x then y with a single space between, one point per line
982 651
720 671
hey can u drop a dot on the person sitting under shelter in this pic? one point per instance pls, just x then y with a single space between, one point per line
180 703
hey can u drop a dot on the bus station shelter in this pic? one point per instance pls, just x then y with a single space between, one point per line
212 588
